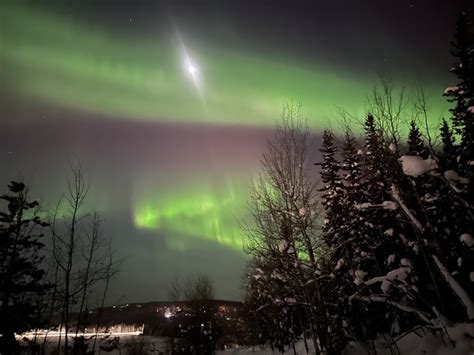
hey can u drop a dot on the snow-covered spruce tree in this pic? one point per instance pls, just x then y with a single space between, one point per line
20 265
457 161
443 259
383 259
336 288
423 288
332 190
353 222
462 94
283 236
423 196
352 226
357 232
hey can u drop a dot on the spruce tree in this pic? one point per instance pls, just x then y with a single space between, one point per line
415 141
332 189
353 221
335 289
20 271
447 139
385 244
462 94
458 193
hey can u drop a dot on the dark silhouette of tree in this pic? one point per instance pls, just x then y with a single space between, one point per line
462 94
194 328
415 141
284 240
20 265
82 259
447 140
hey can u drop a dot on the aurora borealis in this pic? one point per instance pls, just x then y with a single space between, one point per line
106 82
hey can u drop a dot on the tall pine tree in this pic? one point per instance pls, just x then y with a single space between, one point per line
415 141
447 139
20 260
462 94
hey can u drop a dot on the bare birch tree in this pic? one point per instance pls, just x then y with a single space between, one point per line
285 214
82 257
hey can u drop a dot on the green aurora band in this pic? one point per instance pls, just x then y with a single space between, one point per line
195 214
120 76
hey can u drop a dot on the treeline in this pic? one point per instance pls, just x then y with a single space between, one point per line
53 263
384 244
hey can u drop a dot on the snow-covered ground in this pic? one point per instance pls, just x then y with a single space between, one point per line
420 342
125 342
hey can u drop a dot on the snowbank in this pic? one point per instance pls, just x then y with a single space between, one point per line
419 342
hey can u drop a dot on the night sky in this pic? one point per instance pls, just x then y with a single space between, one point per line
168 105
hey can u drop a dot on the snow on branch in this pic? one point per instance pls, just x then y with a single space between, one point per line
453 177
415 166
386 205
400 274
451 89
383 299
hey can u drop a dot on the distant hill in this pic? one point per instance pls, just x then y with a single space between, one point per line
155 317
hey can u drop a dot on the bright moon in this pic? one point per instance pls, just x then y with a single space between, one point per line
192 70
